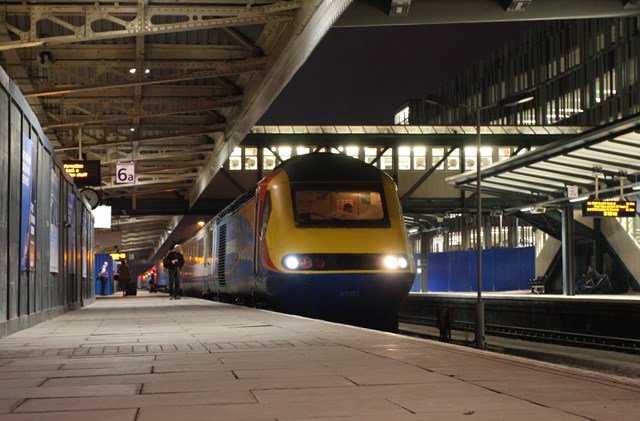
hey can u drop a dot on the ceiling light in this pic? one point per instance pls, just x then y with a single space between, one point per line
579 199
132 70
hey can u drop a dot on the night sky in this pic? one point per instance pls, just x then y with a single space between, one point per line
361 75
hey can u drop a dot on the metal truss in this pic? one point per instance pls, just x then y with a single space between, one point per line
95 22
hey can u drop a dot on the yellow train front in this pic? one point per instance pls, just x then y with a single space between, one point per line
328 242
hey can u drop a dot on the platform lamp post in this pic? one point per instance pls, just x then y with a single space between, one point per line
507 102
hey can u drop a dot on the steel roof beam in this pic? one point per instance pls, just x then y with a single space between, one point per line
130 21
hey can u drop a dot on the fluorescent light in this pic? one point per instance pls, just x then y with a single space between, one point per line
413 230
529 209
102 217
579 199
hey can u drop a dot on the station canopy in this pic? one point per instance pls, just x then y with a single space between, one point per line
541 177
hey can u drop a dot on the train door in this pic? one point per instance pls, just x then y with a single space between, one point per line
208 256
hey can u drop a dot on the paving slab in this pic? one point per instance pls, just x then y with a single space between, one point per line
156 359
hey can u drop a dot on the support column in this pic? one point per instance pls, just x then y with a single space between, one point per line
568 252
425 248
598 260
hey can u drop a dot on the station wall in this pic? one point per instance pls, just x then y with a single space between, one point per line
46 229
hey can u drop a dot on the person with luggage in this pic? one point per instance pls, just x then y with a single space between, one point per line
124 277
173 262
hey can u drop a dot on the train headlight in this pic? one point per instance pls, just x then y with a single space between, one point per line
396 262
291 262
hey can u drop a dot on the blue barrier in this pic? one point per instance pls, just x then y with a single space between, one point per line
503 269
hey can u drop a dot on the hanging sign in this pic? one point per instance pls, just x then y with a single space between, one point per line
84 173
609 208
572 192
125 173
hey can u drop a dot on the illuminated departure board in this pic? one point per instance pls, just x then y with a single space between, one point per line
84 173
619 208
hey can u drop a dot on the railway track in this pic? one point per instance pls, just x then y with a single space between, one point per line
465 330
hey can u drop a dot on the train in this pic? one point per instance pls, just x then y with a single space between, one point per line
321 236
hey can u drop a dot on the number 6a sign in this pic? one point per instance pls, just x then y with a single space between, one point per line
125 173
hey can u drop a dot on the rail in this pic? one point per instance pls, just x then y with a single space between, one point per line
606 343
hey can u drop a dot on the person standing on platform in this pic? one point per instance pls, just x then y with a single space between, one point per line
103 277
153 287
173 262
124 276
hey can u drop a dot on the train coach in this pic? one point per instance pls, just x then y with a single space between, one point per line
321 236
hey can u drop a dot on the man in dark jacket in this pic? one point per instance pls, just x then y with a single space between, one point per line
173 262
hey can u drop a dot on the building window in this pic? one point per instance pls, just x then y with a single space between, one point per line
436 155
404 158
235 160
251 159
402 117
504 153
301 150
419 158
486 157
370 154
268 159
353 151
453 161
284 152
386 161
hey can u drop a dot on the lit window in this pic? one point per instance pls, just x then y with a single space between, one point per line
301 150
404 158
250 159
370 155
402 117
436 155
235 160
486 157
419 158
469 159
453 161
353 151
268 159
504 153
386 162
284 152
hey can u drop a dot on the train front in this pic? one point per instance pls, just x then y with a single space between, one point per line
333 244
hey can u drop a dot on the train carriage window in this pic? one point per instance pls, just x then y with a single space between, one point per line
339 206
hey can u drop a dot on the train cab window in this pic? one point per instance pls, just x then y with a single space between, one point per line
335 207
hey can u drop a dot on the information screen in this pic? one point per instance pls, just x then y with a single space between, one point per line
620 208
84 173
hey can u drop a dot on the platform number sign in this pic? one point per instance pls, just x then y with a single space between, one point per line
125 173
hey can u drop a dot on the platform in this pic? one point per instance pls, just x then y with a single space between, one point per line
148 358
